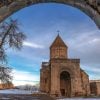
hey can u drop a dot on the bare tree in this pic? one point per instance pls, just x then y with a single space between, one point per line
5 74
10 37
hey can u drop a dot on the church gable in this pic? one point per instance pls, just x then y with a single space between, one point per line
58 42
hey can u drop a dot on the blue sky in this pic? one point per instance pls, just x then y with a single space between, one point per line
40 24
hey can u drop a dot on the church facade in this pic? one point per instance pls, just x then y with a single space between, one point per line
62 76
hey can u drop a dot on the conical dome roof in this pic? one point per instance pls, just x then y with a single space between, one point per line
58 42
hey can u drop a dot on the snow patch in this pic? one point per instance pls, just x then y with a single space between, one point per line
80 99
15 91
5 98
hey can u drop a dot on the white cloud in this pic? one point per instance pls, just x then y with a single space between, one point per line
32 45
92 69
93 72
24 77
85 38
95 40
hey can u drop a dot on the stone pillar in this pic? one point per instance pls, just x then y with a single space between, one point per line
72 87
76 87
55 84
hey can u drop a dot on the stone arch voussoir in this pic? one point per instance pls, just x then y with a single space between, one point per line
89 7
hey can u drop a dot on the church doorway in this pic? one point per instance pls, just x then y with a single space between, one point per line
65 84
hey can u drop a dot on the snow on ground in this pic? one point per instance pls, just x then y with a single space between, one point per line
5 98
15 91
80 99
19 91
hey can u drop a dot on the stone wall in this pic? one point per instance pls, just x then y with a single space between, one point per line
98 88
45 79
95 87
6 86
85 83
58 66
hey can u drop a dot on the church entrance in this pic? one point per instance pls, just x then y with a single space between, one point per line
65 84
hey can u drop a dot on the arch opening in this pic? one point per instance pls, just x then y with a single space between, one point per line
65 84
89 8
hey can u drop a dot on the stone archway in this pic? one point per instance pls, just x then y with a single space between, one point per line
89 7
65 84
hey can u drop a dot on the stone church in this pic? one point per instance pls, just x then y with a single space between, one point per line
62 76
